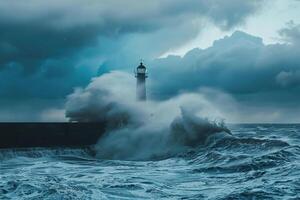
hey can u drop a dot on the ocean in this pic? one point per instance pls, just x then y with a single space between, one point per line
255 161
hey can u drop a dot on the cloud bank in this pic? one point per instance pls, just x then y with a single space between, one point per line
44 30
258 76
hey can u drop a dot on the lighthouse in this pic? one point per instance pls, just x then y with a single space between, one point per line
141 75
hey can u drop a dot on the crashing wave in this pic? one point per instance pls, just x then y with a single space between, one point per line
142 130
185 132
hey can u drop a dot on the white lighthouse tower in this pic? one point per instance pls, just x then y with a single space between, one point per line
141 75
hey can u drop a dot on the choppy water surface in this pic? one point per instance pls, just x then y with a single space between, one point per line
256 162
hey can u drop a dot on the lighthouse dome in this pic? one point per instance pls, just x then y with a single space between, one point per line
141 65
141 68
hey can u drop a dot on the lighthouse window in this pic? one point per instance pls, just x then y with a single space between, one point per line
141 70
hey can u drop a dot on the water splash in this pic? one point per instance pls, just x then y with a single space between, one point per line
143 130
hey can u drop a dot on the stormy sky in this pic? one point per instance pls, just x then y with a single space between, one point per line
247 50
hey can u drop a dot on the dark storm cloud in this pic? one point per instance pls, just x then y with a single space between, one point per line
34 31
239 64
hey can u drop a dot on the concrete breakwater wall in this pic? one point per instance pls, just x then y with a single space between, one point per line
15 135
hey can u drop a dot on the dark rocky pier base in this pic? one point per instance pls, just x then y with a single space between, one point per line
16 135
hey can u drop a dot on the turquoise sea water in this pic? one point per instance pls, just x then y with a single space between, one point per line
255 162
